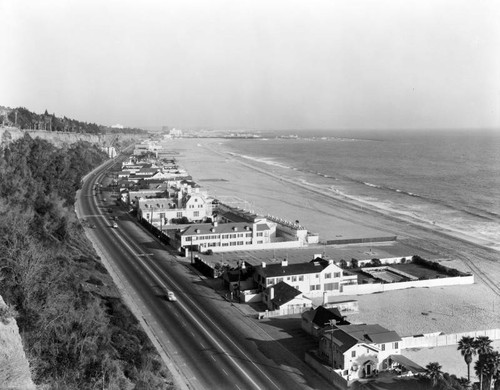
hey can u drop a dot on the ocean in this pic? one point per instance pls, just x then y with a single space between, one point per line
447 179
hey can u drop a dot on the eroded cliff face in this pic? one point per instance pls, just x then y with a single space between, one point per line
14 367
10 134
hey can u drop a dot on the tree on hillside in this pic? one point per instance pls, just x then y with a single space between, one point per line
433 372
467 347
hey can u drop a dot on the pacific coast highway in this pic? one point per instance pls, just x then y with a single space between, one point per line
206 341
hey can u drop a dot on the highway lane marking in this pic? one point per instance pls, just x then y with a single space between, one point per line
160 282
225 372
213 358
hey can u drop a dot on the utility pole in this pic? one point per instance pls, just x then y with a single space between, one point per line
332 323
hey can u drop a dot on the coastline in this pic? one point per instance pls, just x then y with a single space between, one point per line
449 309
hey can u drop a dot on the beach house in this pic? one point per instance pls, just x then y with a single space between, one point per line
359 351
313 279
286 298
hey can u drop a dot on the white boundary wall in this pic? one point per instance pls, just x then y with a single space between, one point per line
433 340
355 289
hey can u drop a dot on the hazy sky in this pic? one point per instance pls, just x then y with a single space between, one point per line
255 64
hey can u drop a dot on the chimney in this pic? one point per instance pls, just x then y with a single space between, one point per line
243 266
284 263
214 223
271 293
330 262
263 264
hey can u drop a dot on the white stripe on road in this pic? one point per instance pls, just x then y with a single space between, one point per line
160 282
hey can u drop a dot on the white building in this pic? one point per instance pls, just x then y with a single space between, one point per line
313 278
360 351
235 236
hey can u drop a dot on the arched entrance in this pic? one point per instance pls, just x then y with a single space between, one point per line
368 369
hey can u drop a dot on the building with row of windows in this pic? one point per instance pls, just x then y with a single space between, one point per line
312 278
236 235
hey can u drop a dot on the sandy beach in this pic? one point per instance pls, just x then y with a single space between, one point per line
271 189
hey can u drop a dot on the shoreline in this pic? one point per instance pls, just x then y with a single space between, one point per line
361 206
450 309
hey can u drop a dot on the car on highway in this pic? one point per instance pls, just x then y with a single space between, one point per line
171 296
114 225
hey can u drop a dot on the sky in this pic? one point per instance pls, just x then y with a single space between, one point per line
284 64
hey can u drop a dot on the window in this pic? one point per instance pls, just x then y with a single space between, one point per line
382 347
279 280
328 275
328 286
294 278
301 278
259 234
353 354
196 214
396 345
317 276
336 274
179 214
270 281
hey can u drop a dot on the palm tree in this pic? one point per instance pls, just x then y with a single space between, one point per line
433 372
487 368
467 347
483 345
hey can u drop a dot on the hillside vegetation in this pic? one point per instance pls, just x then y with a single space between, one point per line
77 332
27 119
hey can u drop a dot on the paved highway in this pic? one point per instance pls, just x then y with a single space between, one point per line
209 343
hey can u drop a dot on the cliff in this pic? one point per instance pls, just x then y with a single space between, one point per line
59 138
14 367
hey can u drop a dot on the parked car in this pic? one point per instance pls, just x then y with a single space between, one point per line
171 296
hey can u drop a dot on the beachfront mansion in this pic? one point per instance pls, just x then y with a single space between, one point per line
165 197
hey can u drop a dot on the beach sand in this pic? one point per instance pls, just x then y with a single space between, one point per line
268 189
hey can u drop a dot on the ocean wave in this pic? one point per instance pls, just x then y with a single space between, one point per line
264 160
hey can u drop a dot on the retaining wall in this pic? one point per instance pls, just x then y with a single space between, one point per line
326 372
433 340
355 289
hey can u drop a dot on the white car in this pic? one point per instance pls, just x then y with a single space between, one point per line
115 225
171 296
